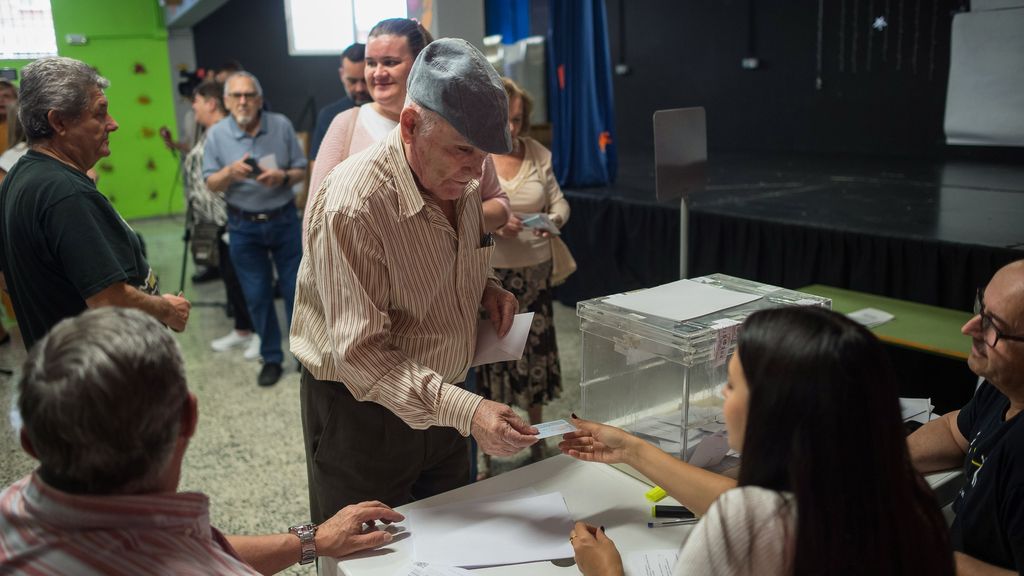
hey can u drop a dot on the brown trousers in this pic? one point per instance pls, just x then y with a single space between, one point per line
358 451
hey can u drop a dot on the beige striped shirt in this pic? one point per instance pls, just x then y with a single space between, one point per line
388 292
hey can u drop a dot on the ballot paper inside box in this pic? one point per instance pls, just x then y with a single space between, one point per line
654 361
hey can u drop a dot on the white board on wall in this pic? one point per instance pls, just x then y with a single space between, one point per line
985 95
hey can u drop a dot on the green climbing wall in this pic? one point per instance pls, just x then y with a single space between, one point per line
127 43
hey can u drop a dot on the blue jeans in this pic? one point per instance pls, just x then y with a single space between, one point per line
256 248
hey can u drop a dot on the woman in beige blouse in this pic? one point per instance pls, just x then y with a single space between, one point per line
522 260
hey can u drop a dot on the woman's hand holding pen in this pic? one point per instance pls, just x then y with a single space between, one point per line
595 442
595 552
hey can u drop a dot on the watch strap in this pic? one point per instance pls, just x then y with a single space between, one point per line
307 540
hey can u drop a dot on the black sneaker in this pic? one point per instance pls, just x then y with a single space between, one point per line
270 374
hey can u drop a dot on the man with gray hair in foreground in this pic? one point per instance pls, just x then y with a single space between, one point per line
396 267
109 416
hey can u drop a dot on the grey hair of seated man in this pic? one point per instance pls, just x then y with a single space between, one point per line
102 397
64 85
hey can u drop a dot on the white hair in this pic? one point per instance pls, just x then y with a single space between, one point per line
243 73
429 119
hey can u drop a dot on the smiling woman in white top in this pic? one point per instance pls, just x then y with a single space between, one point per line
825 483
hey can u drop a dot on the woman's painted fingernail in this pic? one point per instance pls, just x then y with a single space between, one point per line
575 416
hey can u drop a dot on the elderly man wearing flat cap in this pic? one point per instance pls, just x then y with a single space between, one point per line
397 264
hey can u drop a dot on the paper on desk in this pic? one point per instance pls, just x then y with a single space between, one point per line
870 317
424 569
491 349
918 409
492 532
680 300
651 562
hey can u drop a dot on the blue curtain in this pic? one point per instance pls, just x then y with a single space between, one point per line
580 102
510 18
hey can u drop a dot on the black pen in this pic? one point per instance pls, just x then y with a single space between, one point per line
681 522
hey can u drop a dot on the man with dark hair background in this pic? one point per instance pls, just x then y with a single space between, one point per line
353 79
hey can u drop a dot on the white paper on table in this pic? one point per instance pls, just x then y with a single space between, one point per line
681 300
268 162
492 533
919 409
870 317
651 562
425 569
491 349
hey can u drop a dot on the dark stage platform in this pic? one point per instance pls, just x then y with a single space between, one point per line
928 232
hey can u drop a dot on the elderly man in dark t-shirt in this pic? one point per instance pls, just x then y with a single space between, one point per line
64 247
986 437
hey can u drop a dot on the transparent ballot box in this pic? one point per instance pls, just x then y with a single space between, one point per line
654 361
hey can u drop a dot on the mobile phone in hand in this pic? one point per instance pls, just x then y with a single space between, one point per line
256 170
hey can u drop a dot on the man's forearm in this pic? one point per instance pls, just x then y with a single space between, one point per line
220 180
125 296
970 566
933 446
295 175
268 554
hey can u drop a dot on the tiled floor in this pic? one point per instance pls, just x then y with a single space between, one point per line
247 452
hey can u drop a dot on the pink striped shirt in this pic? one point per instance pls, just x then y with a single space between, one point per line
46 531
388 292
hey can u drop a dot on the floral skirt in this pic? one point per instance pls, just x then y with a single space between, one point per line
535 378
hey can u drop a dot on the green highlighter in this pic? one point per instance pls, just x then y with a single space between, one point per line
655 494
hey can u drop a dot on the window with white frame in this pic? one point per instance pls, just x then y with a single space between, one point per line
329 26
26 30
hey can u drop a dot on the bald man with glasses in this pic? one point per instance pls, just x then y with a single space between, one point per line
986 436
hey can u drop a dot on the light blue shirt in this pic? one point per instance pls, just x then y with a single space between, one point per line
226 143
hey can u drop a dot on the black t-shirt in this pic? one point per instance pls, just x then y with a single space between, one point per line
61 242
989 510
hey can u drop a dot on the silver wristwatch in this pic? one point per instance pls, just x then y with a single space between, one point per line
307 538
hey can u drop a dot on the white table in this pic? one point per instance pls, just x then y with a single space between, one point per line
594 493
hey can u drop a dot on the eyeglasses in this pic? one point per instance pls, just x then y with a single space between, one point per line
989 333
240 95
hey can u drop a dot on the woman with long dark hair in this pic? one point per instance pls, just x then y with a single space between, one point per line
825 484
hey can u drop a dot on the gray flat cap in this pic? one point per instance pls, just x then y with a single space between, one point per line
451 77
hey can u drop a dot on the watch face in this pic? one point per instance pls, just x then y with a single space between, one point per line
303 531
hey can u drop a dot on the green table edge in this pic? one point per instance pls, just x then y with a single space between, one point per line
917 326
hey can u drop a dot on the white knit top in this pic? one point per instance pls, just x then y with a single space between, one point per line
747 530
